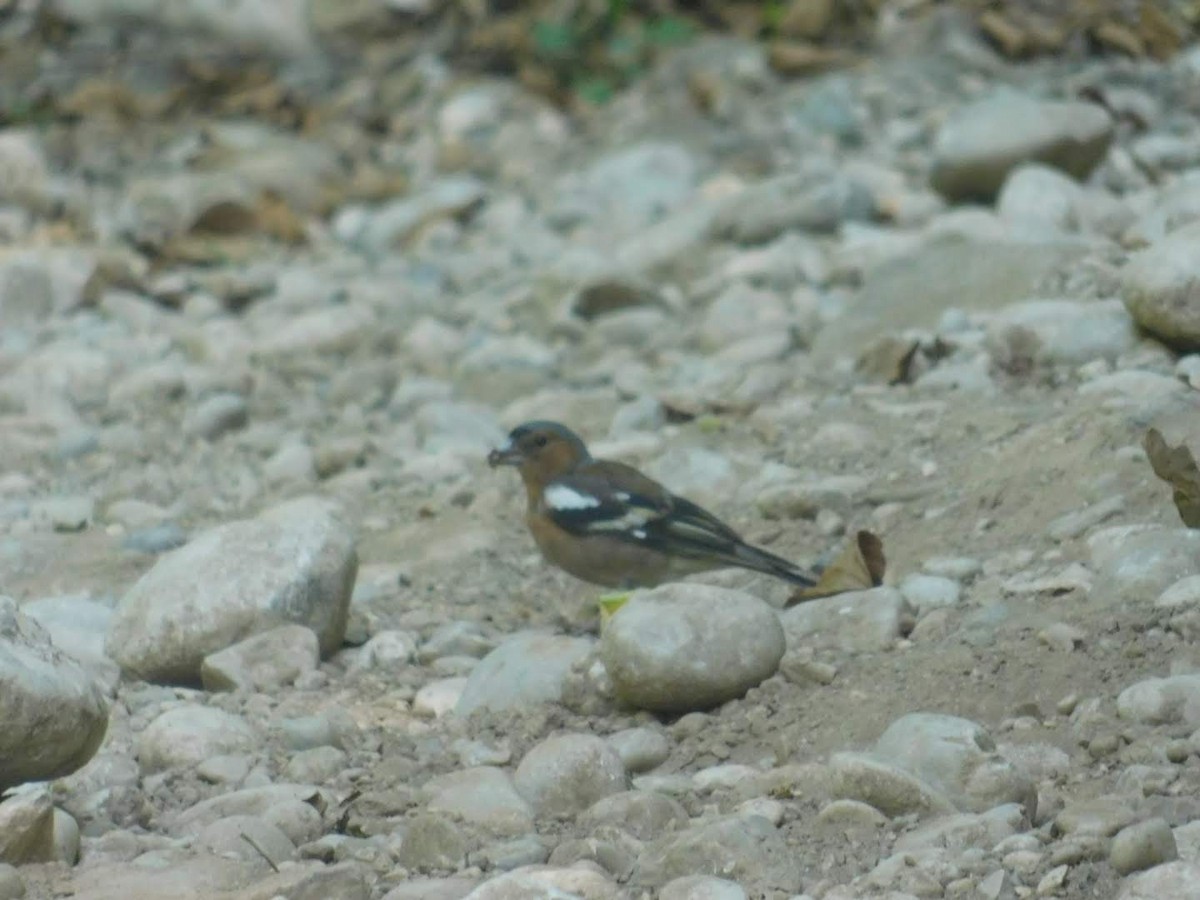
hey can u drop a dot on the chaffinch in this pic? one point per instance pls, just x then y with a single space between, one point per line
607 523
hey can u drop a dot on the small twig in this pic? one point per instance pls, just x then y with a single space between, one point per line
270 862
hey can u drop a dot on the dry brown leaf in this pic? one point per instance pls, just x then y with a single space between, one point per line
859 567
799 58
1177 467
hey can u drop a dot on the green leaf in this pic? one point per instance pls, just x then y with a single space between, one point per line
595 89
555 39
669 31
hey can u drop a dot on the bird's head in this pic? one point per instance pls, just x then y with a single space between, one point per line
542 451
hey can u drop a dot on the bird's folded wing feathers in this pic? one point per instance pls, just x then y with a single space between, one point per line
612 499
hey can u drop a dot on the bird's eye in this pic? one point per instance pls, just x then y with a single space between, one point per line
541 440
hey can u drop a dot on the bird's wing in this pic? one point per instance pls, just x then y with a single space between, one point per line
617 500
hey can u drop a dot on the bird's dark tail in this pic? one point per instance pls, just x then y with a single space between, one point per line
749 557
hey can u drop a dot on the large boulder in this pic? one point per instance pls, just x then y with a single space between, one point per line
294 564
53 710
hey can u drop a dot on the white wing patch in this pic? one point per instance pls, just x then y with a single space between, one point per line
559 496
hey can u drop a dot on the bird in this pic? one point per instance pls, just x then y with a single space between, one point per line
606 523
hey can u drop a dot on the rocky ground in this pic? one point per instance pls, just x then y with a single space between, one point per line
274 629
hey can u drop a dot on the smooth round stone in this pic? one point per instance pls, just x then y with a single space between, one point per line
1143 846
701 887
640 749
1162 288
644 814
930 591
565 774
12 885
187 735
684 647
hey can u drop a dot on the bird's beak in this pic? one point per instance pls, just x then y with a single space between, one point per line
505 455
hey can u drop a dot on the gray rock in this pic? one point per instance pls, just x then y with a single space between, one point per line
629 189
748 850
539 882
27 828
793 202
701 887
958 759
187 735
525 669
332 728
640 749
1184 594
982 830
296 563
391 649
53 709
316 766
1039 197
396 221
884 786
1143 846
926 592
644 814
858 621
684 647
979 145
1161 288
1158 701
565 774
12 885
1070 332
432 889
77 627
285 35
432 842
66 837
314 881
1170 881
1134 564
463 428
155 539
505 856
217 415
484 797
948 272
233 837
266 661
295 809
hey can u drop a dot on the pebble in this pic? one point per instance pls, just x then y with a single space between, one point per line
640 749
564 775
856 621
1142 846
262 663
979 145
926 592
185 736
1162 700
749 851
701 887
12 885
27 828
682 647
525 669
483 797
1159 289
644 814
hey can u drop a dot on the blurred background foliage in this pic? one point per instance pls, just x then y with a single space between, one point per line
586 49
